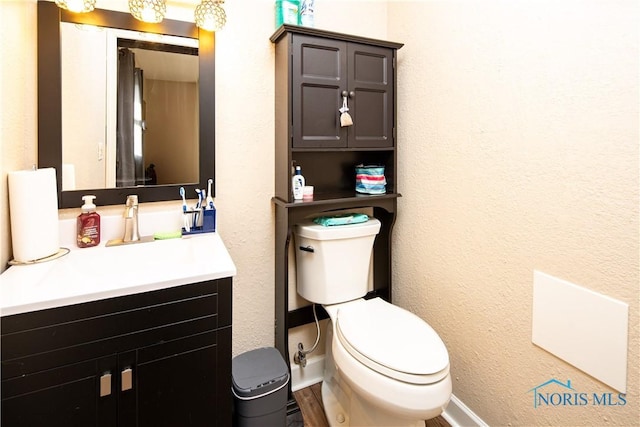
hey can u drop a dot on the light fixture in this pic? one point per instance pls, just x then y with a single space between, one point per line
78 6
210 15
151 11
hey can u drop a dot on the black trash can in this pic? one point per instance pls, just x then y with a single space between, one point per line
259 382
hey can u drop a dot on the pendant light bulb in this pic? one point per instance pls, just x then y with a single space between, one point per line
77 6
210 16
151 11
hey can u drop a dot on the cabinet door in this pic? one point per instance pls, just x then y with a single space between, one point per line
66 396
319 73
177 383
371 96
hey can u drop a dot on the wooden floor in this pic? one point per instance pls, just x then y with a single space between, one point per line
310 401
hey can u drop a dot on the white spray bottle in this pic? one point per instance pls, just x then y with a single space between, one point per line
297 184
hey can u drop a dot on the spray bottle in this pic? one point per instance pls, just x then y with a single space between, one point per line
297 184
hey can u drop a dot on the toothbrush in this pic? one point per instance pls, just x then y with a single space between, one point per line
184 211
198 207
204 199
199 204
209 198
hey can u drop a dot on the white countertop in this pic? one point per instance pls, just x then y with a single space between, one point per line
101 272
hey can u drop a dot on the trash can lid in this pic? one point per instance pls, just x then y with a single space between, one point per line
258 372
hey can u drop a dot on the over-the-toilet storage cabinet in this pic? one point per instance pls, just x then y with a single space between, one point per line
158 358
315 70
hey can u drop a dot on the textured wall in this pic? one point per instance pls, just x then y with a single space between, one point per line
518 150
18 78
518 130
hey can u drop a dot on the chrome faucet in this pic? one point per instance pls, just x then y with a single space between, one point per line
131 220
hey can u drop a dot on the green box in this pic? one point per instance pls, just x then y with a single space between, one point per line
287 12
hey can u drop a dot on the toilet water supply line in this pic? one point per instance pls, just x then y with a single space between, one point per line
300 358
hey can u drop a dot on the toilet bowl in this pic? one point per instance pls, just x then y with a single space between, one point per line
384 366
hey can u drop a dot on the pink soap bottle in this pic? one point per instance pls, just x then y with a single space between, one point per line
88 224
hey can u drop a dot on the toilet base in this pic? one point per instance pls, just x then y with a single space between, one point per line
360 412
333 410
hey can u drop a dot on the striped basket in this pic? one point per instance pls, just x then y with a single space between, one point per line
370 179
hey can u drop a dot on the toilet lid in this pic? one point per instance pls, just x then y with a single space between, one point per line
392 341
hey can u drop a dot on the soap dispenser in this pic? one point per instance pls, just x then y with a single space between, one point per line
88 224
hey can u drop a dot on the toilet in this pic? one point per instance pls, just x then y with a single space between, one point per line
384 366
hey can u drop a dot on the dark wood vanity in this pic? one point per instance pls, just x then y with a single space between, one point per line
160 358
131 335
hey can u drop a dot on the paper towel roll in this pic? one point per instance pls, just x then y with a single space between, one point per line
33 207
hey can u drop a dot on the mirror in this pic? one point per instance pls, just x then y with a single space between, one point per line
81 142
129 108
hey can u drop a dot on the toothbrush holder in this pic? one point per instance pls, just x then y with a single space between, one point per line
205 220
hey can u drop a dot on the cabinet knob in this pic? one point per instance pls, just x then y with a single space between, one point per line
105 384
126 379
351 94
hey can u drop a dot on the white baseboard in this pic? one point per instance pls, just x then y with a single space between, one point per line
309 375
459 415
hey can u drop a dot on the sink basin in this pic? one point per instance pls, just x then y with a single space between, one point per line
100 272
133 259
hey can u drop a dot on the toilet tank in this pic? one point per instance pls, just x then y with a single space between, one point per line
332 263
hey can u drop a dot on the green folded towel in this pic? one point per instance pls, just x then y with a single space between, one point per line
341 219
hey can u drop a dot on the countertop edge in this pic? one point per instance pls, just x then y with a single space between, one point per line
112 293
18 296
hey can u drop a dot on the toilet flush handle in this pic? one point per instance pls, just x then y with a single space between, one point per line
307 248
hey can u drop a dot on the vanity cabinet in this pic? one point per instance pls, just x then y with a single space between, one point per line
158 358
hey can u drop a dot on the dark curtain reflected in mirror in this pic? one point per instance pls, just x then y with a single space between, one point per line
129 135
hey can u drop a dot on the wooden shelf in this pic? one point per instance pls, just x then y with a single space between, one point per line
349 198
340 150
287 28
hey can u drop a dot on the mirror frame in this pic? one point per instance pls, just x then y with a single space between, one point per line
50 101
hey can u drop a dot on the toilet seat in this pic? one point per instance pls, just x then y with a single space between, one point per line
392 341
